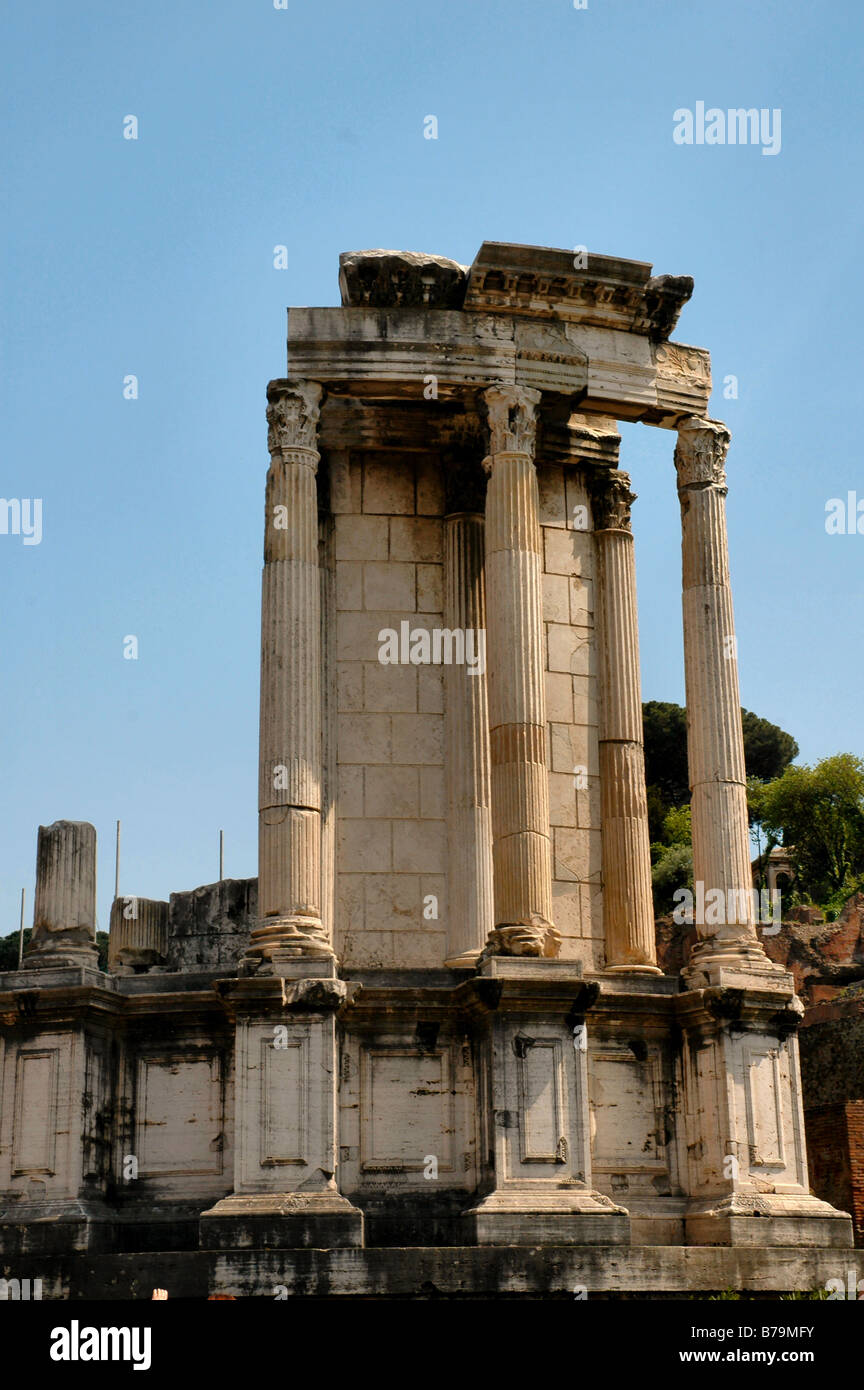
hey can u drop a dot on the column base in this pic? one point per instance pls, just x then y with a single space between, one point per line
757 1219
61 955
285 939
281 1221
562 1216
468 960
61 1226
632 970
537 938
715 965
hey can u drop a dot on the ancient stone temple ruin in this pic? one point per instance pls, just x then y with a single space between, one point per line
430 1048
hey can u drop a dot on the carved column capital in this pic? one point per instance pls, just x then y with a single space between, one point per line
611 499
700 454
512 413
293 411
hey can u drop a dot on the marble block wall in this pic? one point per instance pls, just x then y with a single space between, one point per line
391 835
571 714
391 832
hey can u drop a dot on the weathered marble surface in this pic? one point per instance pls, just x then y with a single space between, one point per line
430 1041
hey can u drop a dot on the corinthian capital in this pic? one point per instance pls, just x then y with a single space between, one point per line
512 419
292 415
611 499
700 455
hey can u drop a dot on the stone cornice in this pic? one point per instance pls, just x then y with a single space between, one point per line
761 1005
437 355
401 279
586 288
530 281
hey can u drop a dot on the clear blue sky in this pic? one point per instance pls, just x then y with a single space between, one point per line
304 127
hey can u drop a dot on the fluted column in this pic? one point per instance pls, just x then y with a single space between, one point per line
715 743
289 821
521 849
138 935
628 909
469 895
64 908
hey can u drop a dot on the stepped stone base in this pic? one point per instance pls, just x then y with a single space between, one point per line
565 1217
282 1221
792 1219
457 1272
28 1228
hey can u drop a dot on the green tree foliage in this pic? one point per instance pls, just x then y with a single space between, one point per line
664 729
673 868
818 812
657 809
678 826
764 839
9 950
768 751
672 858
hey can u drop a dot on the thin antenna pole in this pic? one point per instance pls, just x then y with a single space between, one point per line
221 853
117 863
21 932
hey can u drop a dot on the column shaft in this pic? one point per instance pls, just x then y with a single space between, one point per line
628 909
289 838
521 848
138 934
715 745
64 910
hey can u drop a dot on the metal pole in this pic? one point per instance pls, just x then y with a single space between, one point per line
117 863
21 932
221 848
